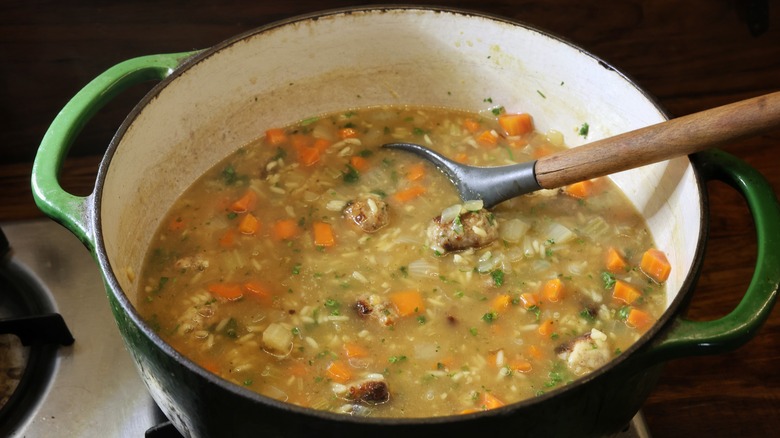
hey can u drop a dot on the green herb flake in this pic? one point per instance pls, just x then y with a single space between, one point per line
541 94
622 314
396 359
473 331
536 311
229 175
351 176
586 314
421 319
490 317
498 277
609 279
248 382
583 131
497 111
296 269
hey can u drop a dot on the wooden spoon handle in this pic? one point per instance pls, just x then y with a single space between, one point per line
662 141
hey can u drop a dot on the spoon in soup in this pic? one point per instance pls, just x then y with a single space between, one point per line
670 139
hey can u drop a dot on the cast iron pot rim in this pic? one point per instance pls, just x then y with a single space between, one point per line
664 322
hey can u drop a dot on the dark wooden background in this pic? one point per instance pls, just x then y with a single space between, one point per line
689 55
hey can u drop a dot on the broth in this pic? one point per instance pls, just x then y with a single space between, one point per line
315 268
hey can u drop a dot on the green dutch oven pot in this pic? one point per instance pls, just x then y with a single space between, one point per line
211 102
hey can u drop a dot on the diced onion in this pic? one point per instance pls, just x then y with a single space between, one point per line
473 205
278 339
555 137
513 230
450 213
423 268
558 233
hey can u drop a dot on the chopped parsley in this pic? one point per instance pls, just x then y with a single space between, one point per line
609 279
583 131
623 313
229 175
498 277
396 359
351 176
490 317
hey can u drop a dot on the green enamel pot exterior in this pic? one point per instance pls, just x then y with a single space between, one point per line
201 404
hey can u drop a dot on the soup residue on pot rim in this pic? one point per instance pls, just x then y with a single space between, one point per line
315 268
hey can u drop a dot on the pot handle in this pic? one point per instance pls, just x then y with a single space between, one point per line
75 212
688 338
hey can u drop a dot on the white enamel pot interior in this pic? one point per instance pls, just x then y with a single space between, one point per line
229 95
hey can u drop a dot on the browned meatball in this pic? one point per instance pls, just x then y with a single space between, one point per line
367 212
371 391
472 229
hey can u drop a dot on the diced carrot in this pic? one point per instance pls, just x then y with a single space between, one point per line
471 125
308 155
408 302
323 234
299 141
407 195
542 150
275 136
655 265
625 292
352 349
297 368
260 291
285 229
339 371
553 290
535 352
228 291
489 401
416 172
462 158
518 143
468 411
249 224
177 224
638 319
520 365
516 124
321 144
546 327
487 138
615 262
228 238
245 203
501 302
211 366
529 299
359 163
580 190
344 133
492 358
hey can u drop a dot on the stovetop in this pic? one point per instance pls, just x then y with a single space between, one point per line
93 389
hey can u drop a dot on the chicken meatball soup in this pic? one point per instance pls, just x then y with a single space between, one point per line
316 268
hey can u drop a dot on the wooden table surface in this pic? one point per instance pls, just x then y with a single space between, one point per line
689 55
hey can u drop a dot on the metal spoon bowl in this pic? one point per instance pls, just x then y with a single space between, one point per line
662 141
